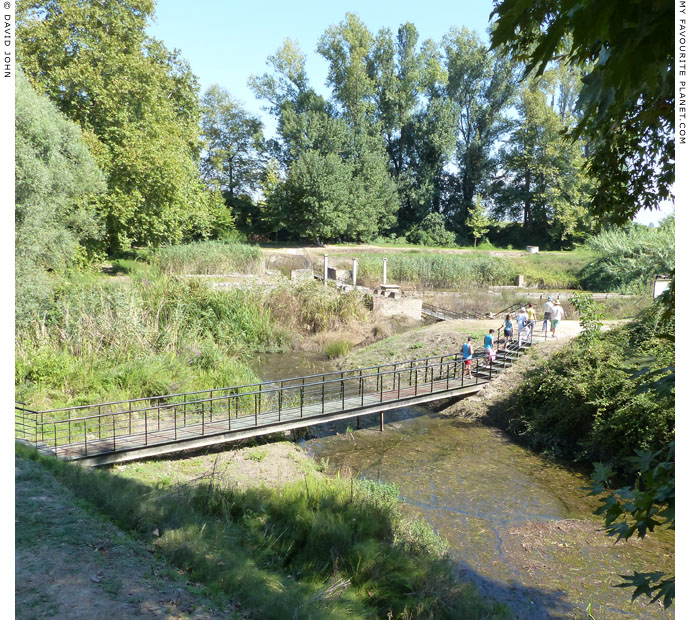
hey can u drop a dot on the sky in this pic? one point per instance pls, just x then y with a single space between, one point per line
227 41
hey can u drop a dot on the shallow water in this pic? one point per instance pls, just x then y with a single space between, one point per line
518 526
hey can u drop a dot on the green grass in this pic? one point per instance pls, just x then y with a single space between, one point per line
207 257
320 548
337 348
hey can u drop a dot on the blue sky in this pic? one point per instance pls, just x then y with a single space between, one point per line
226 42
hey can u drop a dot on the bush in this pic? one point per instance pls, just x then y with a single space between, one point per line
431 231
588 404
628 259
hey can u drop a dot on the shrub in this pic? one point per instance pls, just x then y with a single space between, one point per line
628 259
588 403
431 231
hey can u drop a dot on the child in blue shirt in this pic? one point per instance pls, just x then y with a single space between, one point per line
489 346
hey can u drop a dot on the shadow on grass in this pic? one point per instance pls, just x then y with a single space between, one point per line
316 548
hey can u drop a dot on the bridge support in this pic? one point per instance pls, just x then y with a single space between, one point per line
381 421
357 422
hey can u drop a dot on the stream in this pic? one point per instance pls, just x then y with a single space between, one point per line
519 526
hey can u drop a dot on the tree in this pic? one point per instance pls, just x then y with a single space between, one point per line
233 144
137 104
478 221
482 85
56 179
626 105
541 180
431 231
316 191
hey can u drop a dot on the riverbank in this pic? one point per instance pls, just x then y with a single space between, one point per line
256 531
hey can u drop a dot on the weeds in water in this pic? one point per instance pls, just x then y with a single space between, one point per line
337 348
323 548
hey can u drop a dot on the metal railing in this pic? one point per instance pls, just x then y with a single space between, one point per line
444 313
87 430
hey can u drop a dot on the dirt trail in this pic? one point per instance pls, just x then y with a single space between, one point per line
72 564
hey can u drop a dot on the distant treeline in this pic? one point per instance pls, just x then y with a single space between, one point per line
432 141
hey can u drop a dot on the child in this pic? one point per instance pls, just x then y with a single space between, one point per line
489 346
508 328
467 352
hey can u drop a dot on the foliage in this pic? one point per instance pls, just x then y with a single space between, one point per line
640 508
325 548
337 348
584 404
482 86
590 315
629 258
207 257
542 183
137 104
478 222
431 231
56 180
439 270
626 106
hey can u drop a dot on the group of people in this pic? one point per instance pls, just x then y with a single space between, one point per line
526 320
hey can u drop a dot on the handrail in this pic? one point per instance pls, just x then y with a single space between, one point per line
160 422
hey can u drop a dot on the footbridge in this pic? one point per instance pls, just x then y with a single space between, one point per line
112 432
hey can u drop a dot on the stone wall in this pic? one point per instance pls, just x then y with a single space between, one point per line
407 305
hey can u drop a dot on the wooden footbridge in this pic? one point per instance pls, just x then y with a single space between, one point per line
112 432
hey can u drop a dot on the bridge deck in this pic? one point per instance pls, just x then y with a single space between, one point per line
113 432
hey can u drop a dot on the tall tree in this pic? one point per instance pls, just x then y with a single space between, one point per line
56 180
541 181
626 106
233 159
482 85
138 105
417 123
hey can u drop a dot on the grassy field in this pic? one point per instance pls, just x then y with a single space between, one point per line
314 548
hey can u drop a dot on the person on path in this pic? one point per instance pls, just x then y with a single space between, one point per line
521 324
556 316
548 310
489 347
508 328
467 352
531 317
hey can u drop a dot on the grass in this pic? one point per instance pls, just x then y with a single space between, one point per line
337 348
207 257
318 547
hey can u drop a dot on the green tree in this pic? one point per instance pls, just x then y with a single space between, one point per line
626 105
482 85
542 182
234 154
56 180
478 221
317 193
416 120
138 106
431 231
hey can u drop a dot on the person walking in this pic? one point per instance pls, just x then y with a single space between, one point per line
508 329
556 316
467 352
489 347
548 310
521 320
531 317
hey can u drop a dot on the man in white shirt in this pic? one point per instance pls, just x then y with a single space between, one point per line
521 319
556 316
548 309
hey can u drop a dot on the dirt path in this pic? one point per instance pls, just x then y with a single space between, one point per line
75 565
